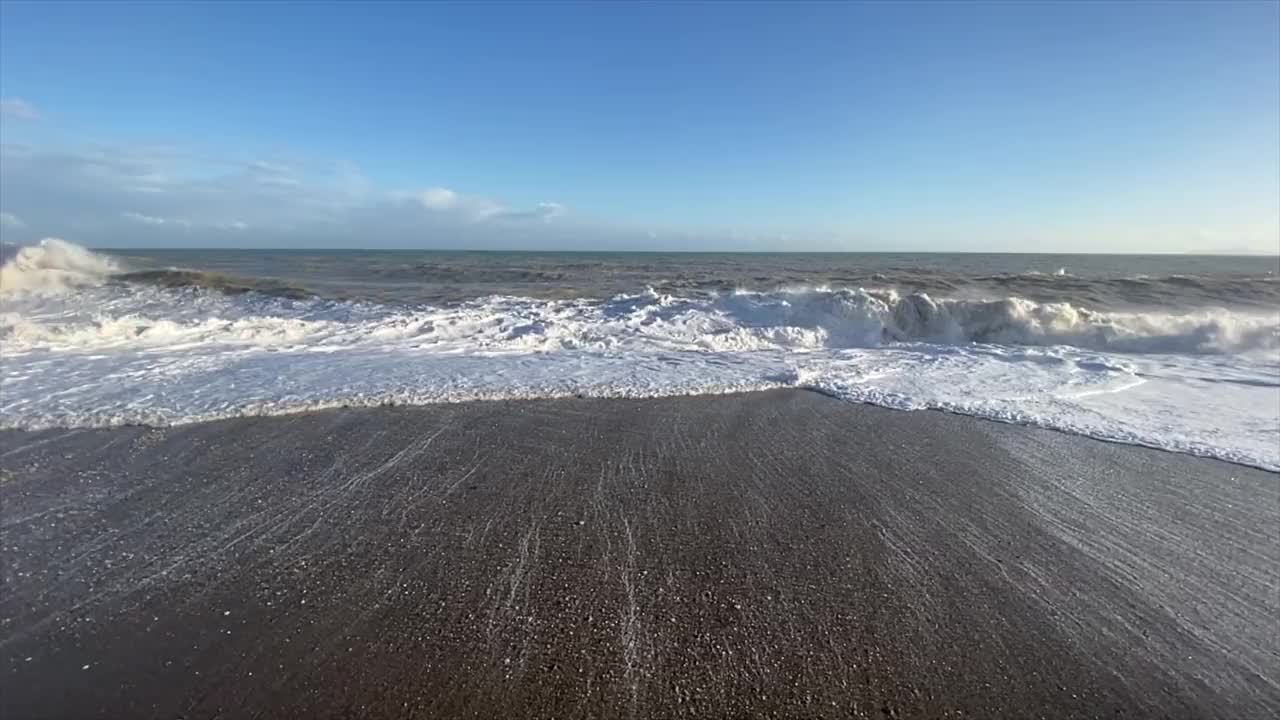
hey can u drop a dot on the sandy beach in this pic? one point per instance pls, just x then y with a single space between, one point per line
776 554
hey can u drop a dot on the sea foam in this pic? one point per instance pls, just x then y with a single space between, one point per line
52 266
83 346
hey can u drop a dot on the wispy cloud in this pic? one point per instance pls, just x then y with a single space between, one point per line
477 208
439 199
183 222
138 195
543 211
152 219
269 173
9 220
18 109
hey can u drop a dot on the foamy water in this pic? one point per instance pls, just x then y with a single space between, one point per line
85 346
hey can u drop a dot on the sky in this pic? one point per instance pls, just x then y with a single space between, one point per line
1005 127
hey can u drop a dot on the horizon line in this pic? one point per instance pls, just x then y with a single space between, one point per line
1264 254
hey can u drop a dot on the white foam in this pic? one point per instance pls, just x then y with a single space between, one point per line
744 321
53 266
1189 404
1206 382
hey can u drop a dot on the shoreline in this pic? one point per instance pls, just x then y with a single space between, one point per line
775 552
343 406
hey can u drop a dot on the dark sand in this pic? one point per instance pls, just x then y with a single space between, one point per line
773 554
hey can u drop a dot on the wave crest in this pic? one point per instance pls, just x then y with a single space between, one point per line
172 346
53 266
228 284
788 321
868 318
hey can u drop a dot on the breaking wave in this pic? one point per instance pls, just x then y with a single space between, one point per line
228 284
89 342
785 320
158 306
54 266
861 318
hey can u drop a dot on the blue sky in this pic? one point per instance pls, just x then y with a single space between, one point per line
1087 127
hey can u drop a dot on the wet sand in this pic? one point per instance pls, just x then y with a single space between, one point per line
776 554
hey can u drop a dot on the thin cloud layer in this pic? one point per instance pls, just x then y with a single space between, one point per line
145 196
18 109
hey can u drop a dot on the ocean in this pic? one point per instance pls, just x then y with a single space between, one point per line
1174 352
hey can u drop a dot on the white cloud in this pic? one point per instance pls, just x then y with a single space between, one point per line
270 168
548 211
9 220
477 208
269 173
438 198
147 219
18 109
183 222
108 196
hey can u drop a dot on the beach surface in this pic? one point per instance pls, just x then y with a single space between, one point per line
772 554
